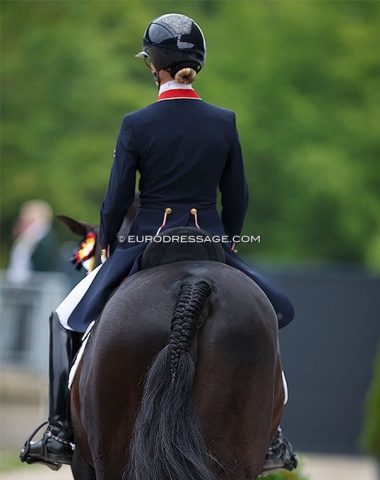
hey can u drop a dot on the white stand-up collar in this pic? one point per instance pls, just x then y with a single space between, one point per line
173 85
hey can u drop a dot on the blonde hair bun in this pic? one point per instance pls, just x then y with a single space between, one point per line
185 75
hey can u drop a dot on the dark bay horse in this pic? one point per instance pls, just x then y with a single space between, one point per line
181 379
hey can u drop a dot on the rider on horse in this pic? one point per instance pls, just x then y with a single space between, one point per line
184 149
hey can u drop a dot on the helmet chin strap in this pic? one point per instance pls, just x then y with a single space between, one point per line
156 79
154 73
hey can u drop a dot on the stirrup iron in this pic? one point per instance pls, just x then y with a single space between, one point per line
29 460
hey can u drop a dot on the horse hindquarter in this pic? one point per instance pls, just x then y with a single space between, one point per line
235 381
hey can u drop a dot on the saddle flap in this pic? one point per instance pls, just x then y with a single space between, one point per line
181 244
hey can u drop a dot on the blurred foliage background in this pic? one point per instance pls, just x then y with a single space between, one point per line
370 435
302 77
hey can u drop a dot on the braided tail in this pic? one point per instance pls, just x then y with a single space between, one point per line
167 443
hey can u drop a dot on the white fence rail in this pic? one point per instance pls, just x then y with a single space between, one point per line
24 315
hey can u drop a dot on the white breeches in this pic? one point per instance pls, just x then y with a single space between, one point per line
286 391
66 308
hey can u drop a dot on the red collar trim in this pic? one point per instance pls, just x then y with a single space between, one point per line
178 93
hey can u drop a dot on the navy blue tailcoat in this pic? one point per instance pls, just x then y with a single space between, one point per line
184 150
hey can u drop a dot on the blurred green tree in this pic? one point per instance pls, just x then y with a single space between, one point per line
301 76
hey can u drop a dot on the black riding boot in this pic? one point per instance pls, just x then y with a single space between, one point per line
56 446
280 455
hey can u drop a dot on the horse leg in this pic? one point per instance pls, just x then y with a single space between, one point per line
80 466
81 469
115 392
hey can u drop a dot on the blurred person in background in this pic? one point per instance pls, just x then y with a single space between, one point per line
33 246
32 250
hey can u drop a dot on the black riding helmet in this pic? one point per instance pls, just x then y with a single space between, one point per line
174 39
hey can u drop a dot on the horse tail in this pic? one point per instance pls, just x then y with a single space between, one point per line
167 442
